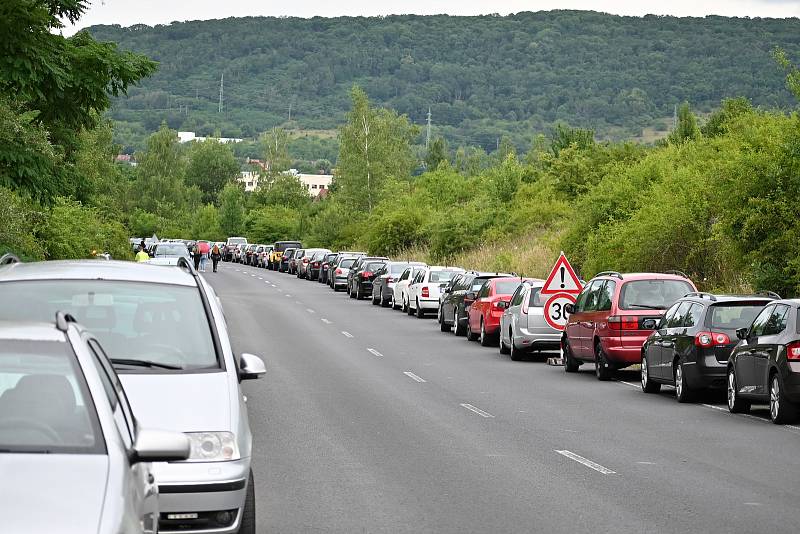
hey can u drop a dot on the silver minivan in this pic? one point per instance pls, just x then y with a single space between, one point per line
164 331
523 327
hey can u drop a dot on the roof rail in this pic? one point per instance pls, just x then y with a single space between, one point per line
677 273
63 319
702 295
770 294
610 273
8 258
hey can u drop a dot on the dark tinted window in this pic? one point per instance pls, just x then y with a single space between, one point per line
280 247
346 264
374 266
506 287
652 294
757 329
777 320
693 315
734 316
516 298
606 295
676 320
484 291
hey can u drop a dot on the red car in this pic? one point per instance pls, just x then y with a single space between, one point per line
613 316
483 315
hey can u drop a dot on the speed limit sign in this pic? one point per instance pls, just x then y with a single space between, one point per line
554 312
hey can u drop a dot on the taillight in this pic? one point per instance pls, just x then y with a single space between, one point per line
305 260
315 264
525 306
624 322
426 293
338 271
711 339
496 305
793 350
389 280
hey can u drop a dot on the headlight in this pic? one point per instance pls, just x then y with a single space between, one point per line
212 447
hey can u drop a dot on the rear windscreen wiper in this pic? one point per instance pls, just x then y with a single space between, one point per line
144 363
645 306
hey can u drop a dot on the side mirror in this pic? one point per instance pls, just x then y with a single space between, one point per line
569 308
160 446
251 367
503 305
741 333
471 295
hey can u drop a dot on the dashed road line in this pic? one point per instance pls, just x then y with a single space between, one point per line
309 310
414 377
347 334
324 320
476 410
584 461
375 353
288 296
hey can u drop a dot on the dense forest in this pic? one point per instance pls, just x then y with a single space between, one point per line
481 76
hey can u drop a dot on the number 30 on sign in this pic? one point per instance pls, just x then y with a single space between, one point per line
554 312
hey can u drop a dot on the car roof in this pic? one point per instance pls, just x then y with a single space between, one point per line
626 277
127 271
712 298
30 331
443 268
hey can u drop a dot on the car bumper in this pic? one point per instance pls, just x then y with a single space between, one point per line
429 304
791 381
529 340
618 354
707 373
201 488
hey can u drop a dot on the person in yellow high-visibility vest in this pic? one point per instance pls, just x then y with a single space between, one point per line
142 255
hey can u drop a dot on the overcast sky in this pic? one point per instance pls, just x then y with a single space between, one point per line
129 12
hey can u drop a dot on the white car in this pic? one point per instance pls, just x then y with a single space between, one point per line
425 288
400 290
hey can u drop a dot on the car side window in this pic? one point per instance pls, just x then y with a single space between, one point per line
580 302
668 315
606 295
693 315
404 275
593 296
123 417
777 320
677 318
418 278
519 295
760 322
484 292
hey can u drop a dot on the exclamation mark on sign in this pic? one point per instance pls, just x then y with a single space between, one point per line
562 277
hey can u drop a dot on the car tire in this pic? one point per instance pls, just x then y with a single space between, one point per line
351 292
648 386
443 326
404 306
375 301
359 296
683 393
602 369
781 409
571 365
470 335
420 311
503 347
458 329
393 303
485 340
409 309
736 404
248 523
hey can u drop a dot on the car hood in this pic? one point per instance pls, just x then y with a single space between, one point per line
191 402
68 488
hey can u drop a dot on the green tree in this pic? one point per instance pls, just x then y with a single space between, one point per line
231 210
686 129
437 153
284 190
272 223
791 70
160 173
206 224
275 144
211 165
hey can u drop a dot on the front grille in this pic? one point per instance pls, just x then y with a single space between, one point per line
191 521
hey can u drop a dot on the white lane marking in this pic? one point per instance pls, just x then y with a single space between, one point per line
347 334
414 377
476 410
309 310
631 384
375 353
788 428
588 463
646 463
260 278
288 295
324 320
752 503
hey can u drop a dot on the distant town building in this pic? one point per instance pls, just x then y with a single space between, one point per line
314 183
250 180
185 137
126 159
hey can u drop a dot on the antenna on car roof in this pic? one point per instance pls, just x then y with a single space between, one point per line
8 258
764 293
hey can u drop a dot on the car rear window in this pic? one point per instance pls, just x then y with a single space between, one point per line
734 315
652 294
172 249
535 299
398 268
280 247
441 276
346 264
506 287
374 266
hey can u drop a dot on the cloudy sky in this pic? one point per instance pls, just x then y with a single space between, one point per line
128 12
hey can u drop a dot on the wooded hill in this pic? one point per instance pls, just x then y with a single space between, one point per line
482 76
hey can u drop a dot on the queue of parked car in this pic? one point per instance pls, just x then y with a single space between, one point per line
747 345
95 355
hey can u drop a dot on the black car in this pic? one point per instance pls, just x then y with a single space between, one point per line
361 283
286 258
351 288
325 266
384 280
765 365
315 264
690 347
455 300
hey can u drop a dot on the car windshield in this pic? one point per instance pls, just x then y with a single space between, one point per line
441 276
346 264
652 294
160 323
734 315
43 406
172 249
506 287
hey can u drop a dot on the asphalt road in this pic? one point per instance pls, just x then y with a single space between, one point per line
372 421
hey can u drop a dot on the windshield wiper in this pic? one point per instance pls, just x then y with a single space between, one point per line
645 306
144 363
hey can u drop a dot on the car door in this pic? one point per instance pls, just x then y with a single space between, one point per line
413 287
587 322
478 308
682 339
664 355
744 362
401 283
655 345
573 329
767 347
509 322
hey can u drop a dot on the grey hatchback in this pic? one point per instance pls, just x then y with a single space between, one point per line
72 456
166 335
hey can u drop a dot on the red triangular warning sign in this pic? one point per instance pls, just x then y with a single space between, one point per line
562 279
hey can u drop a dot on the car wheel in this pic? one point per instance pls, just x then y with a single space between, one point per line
393 302
602 369
683 393
404 306
458 328
736 404
443 326
571 365
375 301
502 344
420 312
648 386
359 296
470 335
351 292
409 309
248 524
781 409
486 340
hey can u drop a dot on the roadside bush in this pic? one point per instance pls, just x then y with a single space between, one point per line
18 221
74 231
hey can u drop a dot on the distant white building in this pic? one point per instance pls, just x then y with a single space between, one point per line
185 137
314 183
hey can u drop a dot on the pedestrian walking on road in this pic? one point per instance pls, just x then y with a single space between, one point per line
204 250
196 256
216 255
142 255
